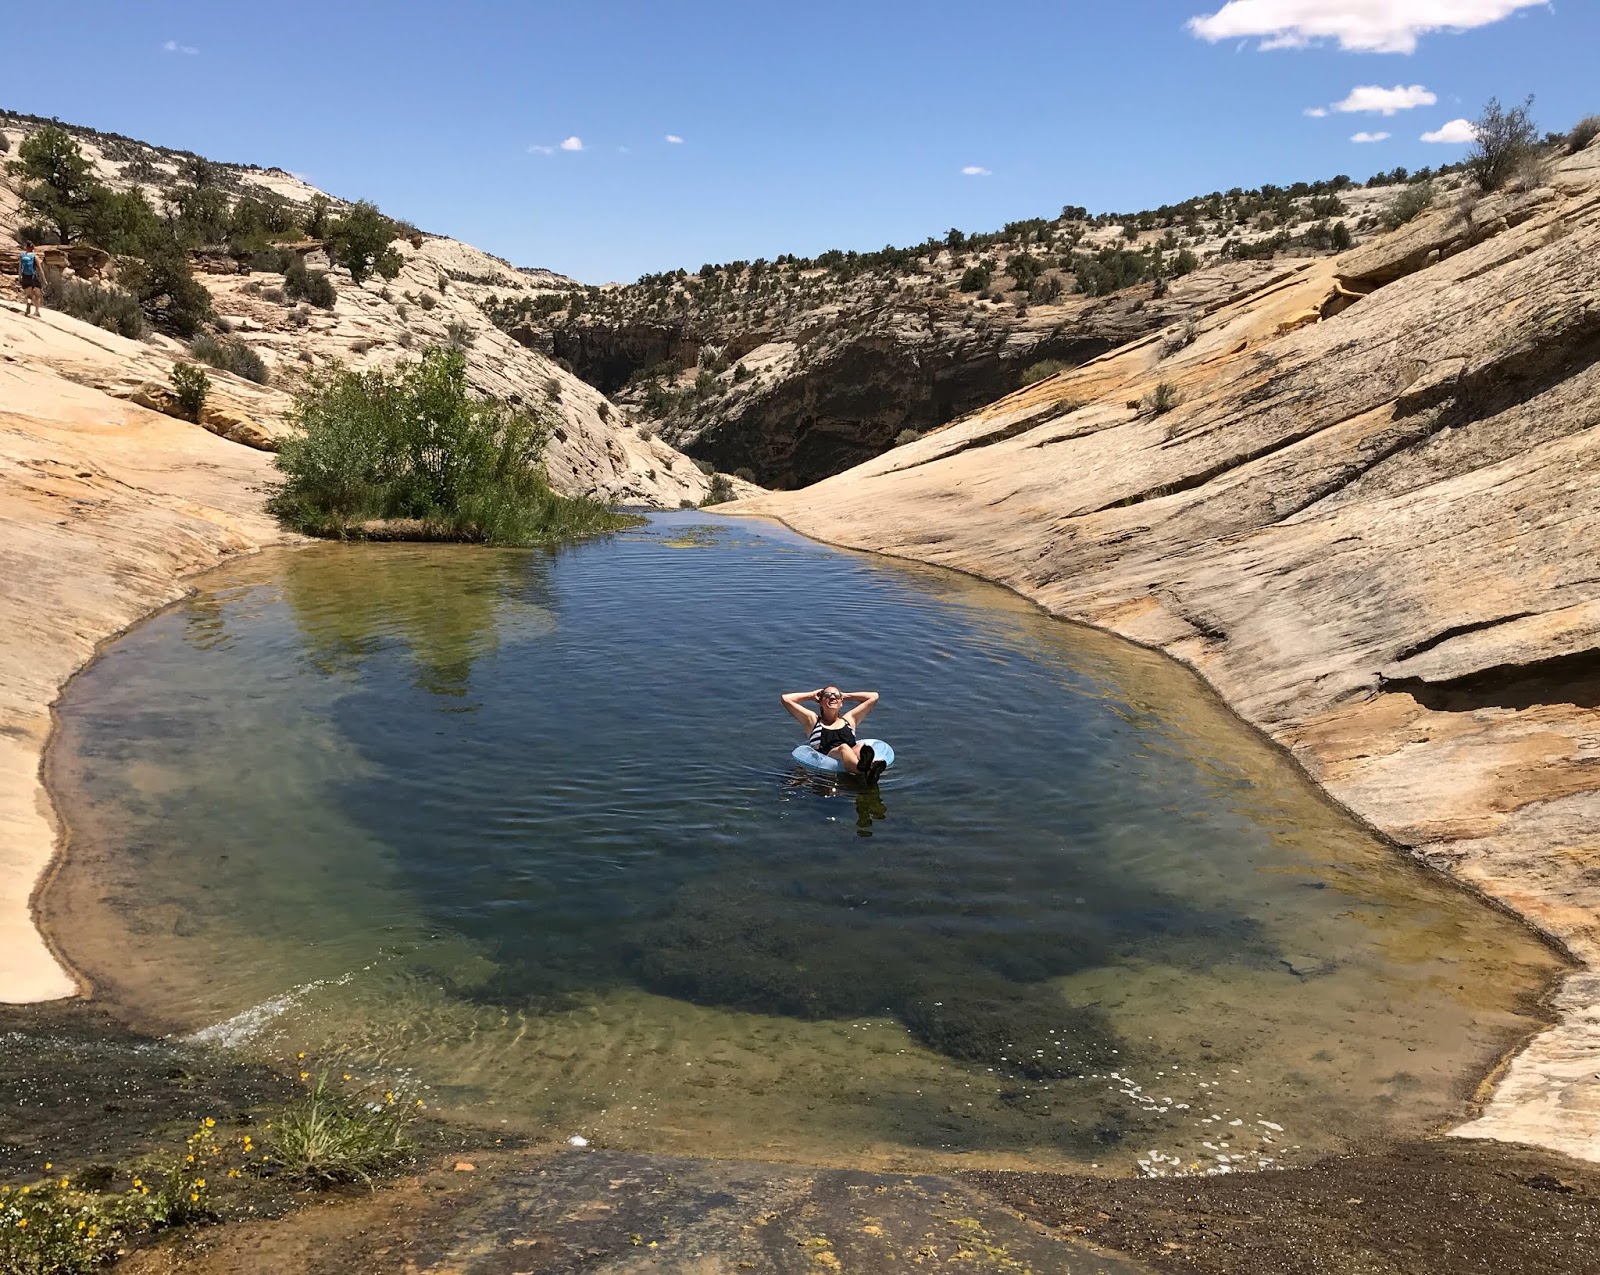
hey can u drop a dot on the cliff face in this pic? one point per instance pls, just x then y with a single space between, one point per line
794 370
1370 520
437 299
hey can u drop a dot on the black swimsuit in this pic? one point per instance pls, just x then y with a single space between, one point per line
826 738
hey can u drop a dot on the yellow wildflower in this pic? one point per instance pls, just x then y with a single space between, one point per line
233 1173
305 1075
347 1075
138 1182
210 1123
200 1183
301 1054
93 1231
388 1097
22 1221
194 1195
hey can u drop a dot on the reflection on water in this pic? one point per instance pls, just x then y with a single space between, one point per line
524 826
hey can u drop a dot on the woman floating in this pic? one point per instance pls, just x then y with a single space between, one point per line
833 731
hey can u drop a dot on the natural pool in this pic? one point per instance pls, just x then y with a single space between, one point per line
520 829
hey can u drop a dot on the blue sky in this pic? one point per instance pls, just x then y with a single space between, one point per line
803 126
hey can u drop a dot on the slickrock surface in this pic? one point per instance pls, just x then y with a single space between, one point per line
104 507
1374 532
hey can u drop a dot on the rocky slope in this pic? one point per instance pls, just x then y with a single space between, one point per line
789 371
437 299
1368 515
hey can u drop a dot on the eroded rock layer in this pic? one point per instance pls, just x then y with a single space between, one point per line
1365 508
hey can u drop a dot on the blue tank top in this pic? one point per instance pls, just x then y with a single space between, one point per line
28 265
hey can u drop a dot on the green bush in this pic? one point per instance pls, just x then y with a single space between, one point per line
1339 236
1408 204
1036 372
1504 141
1583 132
191 386
902 438
427 300
230 356
721 490
411 444
314 286
109 308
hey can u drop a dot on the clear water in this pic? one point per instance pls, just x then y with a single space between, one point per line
521 828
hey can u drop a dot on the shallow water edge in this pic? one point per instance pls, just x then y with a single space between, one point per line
1467 1091
1531 1096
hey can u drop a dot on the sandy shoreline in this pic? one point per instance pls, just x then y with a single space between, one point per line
105 509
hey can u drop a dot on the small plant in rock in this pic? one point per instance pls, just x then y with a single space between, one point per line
1035 372
1161 400
1179 339
459 335
1504 140
191 386
230 356
427 300
907 436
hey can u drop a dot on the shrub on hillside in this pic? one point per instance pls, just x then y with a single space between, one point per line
359 241
1504 141
313 286
1583 132
191 385
411 443
720 490
1409 203
230 356
168 292
109 308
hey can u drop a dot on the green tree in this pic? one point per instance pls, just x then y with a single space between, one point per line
61 190
317 217
360 242
167 290
1504 139
1340 236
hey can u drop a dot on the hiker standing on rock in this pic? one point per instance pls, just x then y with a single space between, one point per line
30 268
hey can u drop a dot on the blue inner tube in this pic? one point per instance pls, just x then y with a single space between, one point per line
809 757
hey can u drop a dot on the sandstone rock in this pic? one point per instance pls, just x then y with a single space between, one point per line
1374 534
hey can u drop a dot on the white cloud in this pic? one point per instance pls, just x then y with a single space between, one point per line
1370 137
573 143
1366 26
976 170
1369 97
1456 132
1316 112
674 139
536 149
172 46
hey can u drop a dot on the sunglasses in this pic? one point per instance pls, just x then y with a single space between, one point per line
831 697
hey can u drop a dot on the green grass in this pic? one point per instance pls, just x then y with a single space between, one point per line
328 1138
408 453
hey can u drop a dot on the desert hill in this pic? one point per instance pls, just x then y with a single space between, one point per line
437 298
789 370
